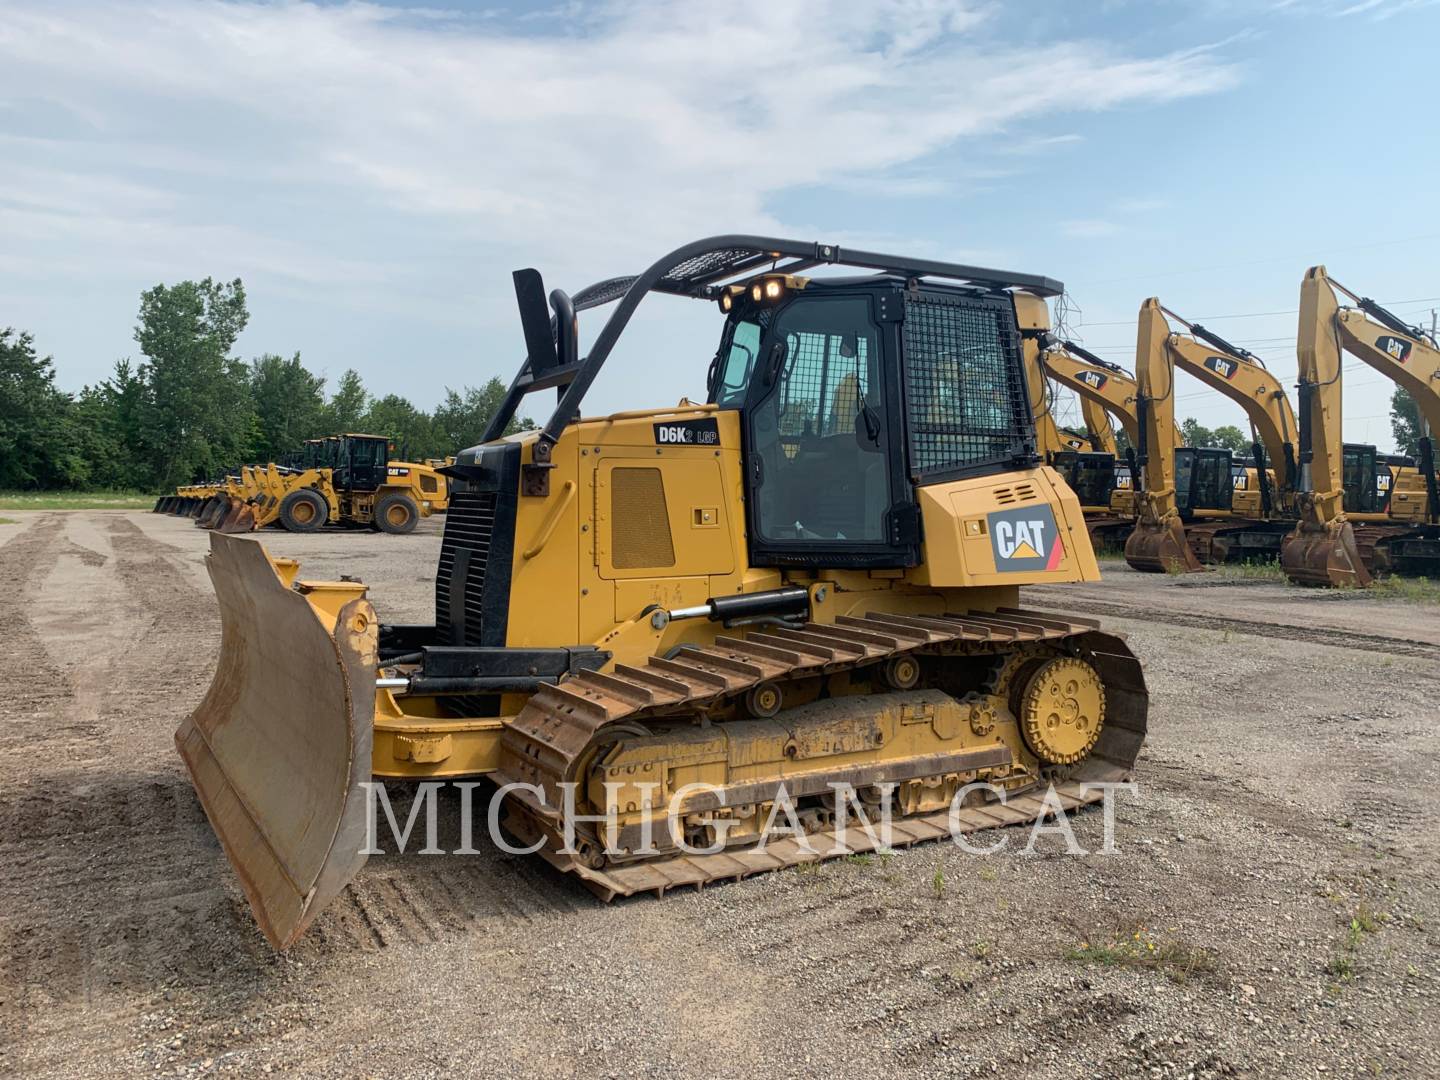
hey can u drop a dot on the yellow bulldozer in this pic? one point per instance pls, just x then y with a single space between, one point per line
676 619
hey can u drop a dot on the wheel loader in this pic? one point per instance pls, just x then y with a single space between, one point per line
675 619
346 480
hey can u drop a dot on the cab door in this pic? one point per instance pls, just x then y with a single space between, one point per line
820 443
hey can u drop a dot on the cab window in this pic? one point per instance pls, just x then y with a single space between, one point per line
737 364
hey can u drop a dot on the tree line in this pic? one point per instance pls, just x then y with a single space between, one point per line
189 409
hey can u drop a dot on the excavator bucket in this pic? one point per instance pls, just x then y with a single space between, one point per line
1324 555
281 742
1161 547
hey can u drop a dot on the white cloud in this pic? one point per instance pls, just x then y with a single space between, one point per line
300 138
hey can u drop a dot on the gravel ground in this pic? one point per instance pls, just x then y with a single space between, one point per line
1271 910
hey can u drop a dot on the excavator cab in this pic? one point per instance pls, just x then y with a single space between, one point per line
1367 481
1094 477
1203 481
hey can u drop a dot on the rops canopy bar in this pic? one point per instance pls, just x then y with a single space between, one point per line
698 270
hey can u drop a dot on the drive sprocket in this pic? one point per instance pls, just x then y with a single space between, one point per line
1062 709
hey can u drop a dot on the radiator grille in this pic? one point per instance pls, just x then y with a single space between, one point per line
469 529
639 521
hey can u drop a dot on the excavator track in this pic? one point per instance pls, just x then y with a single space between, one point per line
561 728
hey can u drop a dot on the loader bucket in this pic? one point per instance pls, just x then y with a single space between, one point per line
281 742
158 503
193 508
210 513
239 517
1161 547
1324 555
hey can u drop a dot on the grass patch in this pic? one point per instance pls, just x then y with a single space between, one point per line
1417 590
1138 948
1251 571
75 500
8 521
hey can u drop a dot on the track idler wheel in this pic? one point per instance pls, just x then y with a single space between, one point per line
1161 548
1062 709
1324 555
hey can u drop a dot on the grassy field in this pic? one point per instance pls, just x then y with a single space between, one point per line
75 500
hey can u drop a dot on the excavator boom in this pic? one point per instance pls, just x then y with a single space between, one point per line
1240 376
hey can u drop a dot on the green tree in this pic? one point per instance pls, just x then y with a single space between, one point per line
1405 422
347 408
289 405
1224 437
411 430
461 419
199 415
111 418
37 427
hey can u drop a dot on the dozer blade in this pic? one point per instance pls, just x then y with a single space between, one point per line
1324 555
1161 548
279 746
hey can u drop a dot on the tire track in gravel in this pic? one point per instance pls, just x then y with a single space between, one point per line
150 906
1342 639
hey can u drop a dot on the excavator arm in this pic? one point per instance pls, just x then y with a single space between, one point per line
1102 431
1322 549
1099 383
1239 375
1158 542
1107 385
1049 438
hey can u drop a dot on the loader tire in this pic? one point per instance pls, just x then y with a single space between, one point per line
396 513
303 511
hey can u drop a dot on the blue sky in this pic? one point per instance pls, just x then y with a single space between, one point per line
374 172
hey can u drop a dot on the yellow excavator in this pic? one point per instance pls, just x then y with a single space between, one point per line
1158 541
1232 510
1105 390
1361 514
811 580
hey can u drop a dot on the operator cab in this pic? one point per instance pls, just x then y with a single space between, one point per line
1092 475
855 390
1203 480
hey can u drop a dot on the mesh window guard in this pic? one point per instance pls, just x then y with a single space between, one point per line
965 396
